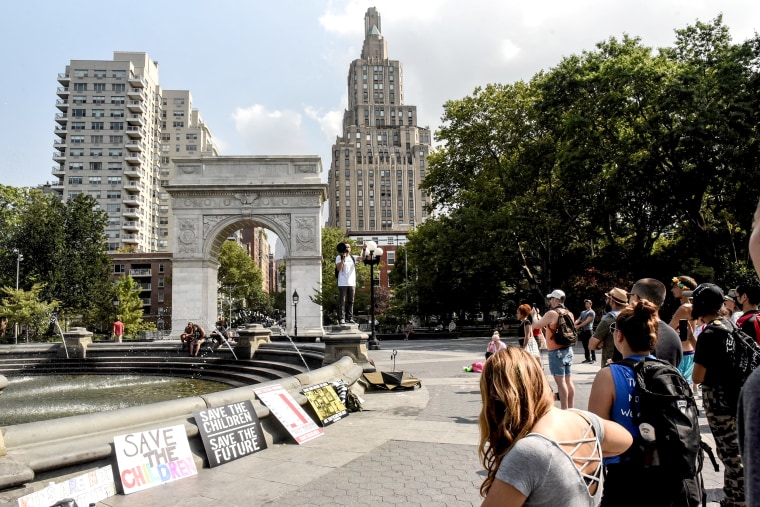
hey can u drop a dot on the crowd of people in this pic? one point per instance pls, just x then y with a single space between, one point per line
529 446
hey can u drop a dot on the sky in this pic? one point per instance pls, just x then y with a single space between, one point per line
269 77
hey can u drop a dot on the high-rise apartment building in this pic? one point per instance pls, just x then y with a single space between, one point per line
118 132
379 159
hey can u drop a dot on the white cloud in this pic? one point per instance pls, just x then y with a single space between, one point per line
509 50
330 123
274 132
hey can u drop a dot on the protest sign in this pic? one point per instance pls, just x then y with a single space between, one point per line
150 458
230 432
282 405
326 404
84 489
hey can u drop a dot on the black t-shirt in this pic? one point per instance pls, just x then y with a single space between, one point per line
668 347
711 353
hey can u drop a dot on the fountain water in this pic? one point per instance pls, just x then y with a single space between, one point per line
54 320
299 352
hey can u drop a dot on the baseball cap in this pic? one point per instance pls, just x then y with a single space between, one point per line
707 298
556 293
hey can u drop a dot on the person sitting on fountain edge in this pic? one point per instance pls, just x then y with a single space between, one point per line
187 335
197 338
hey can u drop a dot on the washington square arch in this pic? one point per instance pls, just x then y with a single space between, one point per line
216 196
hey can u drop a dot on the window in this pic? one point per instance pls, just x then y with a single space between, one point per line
163 220
160 268
80 73
77 152
75 180
96 152
96 166
113 194
118 87
179 101
97 113
114 180
77 125
119 74
96 125
179 114
160 298
79 99
114 166
100 74
76 166
98 100
73 195
78 113
94 180
99 87
115 139
391 258
117 100
114 221
113 208
178 124
77 139
96 139
191 147
114 152
117 125
80 87
117 113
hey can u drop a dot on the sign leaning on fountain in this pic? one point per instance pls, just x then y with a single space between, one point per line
230 432
153 457
290 414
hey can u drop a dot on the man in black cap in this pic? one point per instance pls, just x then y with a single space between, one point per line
720 391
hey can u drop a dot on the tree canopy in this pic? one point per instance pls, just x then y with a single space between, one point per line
618 163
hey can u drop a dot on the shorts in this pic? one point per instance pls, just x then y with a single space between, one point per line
686 366
561 362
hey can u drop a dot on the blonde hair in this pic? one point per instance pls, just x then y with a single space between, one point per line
515 395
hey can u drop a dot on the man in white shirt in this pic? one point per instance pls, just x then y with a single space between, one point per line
345 263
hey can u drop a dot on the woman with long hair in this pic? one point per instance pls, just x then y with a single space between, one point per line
635 336
535 453
525 331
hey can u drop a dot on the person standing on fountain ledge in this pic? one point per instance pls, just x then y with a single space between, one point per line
345 268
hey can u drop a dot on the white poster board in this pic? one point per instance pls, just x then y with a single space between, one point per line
150 458
295 420
84 489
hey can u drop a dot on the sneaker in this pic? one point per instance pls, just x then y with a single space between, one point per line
587 361
342 321
352 321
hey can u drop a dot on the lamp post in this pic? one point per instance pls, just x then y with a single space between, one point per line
371 255
295 313
19 257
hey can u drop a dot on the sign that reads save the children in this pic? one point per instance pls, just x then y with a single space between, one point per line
153 457
298 423
325 402
230 432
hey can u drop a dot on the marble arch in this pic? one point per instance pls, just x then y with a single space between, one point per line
215 196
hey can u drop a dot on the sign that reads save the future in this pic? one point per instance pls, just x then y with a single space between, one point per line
153 457
230 432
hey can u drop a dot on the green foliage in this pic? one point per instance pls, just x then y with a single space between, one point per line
27 309
594 163
130 310
240 280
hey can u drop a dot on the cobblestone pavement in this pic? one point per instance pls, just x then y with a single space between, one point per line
406 448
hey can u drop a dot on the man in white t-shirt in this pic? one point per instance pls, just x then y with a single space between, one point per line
345 263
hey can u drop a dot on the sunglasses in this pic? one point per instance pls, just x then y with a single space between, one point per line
613 328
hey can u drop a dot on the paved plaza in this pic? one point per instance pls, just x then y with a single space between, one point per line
412 448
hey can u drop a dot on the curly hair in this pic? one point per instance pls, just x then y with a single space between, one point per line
515 395
638 323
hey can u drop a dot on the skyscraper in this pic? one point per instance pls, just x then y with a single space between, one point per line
118 132
378 160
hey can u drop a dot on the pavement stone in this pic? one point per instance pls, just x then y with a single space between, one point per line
415 447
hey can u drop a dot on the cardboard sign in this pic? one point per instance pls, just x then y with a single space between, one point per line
230 432
326 404
84 489
298 423
150 458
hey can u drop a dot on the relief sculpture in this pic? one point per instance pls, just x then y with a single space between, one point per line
306 234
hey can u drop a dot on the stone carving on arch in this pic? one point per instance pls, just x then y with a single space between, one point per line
187 241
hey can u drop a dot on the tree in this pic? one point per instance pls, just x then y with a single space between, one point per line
26 309
241 280
130 310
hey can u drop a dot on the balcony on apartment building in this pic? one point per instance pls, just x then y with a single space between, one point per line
59 144
62 91
134 146
61 131
146 301
134 159
132 212
133 171
59 156
135 132
58 170
61 118
131 225
140 272
137 82
62 104
133 186
136 94
64 79
135 119
131 199
136 106
130 238
56 185
144 286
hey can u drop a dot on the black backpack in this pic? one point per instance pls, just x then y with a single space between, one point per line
742 349
666 414
565 334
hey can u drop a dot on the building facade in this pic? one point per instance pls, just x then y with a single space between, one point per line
379 159
153 275
117 134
